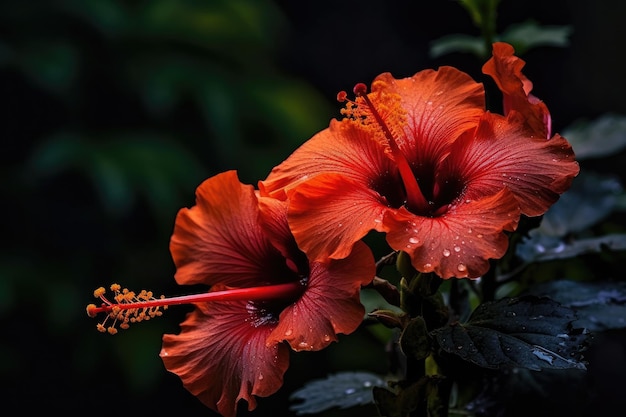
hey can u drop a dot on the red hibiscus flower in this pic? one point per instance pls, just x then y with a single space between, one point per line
421 160
232 350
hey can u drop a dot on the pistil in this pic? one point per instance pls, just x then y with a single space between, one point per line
415 199
129 307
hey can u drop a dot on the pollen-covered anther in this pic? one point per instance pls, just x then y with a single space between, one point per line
127 307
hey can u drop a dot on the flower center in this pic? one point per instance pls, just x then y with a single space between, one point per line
422 193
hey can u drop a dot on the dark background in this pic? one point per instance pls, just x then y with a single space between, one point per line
112 112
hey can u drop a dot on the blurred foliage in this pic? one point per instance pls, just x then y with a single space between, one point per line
113 112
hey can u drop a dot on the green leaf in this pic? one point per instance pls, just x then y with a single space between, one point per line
541 249
415 341
599 305
591 198
457 43
482 12
601 137
529 332
527 35
342 390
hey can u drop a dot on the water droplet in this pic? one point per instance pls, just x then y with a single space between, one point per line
461 267
446 252
457 249
428 266
480 235
326 338
261 377
304 345
289 332
544 356
413 240
350 391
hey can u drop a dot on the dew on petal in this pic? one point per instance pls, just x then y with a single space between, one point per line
326 338
261 377
461 267
480 235
457 249
413 240
446 252
427 266
289 332
304 345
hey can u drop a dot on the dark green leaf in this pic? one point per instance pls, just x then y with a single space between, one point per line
544 248
415 341
342 390
598 305
530 34
591 198
457 43
603 136
528 332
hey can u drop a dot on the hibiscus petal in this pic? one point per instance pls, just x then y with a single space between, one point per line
506 70
331 303
440 105
221 357
329 213
341 148
500 153
461 242
219 239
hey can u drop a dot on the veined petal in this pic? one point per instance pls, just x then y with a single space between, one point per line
273 215
331 303
330 212
220 239
342 148
222 357
439 105
501 153
460 243
506 70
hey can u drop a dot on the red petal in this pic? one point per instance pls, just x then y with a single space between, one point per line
331 303
274 223
440 105
501 153
506 70
220 239
221 357
459 243
329 213
342 148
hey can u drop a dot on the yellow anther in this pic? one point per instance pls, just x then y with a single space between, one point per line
90 310
126 307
